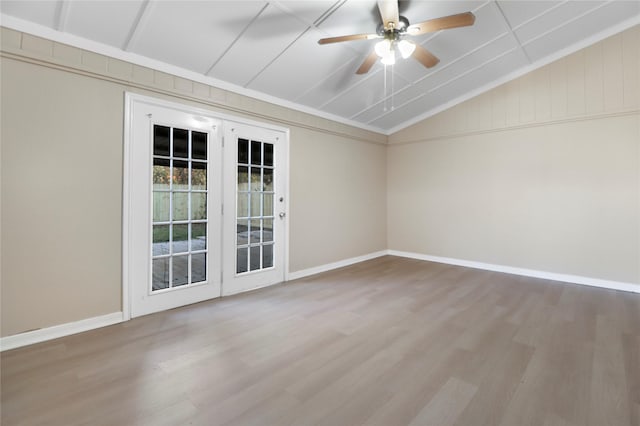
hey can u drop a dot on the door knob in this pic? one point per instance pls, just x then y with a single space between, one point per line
282 215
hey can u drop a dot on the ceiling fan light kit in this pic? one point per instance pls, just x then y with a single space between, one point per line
394 28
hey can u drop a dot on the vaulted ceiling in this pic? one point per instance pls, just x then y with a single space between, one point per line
269 49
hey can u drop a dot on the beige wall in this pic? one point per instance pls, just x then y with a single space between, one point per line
61 160
541 173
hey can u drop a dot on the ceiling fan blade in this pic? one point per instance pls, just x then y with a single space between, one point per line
452 21
389 12
425 57
347 38
368 63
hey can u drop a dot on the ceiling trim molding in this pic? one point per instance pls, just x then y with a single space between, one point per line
624 25
21 25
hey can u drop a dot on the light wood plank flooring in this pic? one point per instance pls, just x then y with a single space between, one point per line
386 342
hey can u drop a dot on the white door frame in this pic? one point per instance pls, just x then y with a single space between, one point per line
130 99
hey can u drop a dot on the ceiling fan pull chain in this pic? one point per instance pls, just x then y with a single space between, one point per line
384 95
392 73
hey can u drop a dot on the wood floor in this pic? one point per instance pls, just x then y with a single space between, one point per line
386 342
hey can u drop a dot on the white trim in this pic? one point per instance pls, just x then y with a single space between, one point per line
49 333
38 30
553 276
334 265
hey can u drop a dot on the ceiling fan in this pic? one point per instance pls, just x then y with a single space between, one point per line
393 30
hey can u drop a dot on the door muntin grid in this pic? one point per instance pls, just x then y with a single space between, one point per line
180 211
254 206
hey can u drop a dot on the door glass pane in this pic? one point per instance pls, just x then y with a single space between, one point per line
254 232
180 143
256 204
198 176
180 271
267 180
198 268
267 256
180 238
256 153
198 236
180 206
160 240
161 206
241 260
267 230
256 182
243 205
198 205
267 205
243 178
179 242
160 273
180 174
254 258
268 154
161 140
243 151
199 145
161 173
242 232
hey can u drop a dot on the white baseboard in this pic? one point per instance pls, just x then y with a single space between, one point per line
36 336
573 279
335 265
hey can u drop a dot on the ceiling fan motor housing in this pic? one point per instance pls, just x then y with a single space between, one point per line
393 32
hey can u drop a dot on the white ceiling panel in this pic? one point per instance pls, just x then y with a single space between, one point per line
519 12
363 95
41 12
193 34
549 21
289 75
334 83
258 46
271 47
108 22
579 29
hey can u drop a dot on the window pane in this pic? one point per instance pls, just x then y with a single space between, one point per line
160 240
256 201
160 274
199 145
180 174
267 230
256 184
243 178
267 205
198 205
180 143
267 256
241 260
254 231
242 232
161 206
243 204
267 180
198 176
198 268
198 236
160 140
180 206
161 173
256 152
254 258
180 238
243 151
268 154
180 271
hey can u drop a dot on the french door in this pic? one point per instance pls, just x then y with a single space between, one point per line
204 206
